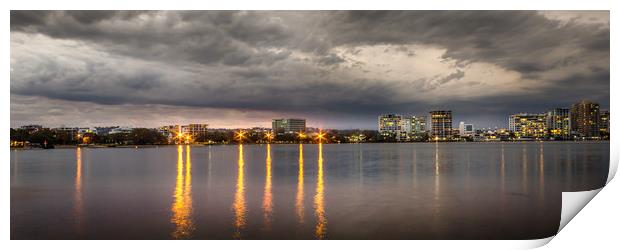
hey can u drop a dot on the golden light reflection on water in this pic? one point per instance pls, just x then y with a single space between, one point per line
541 171
299 199
524 169
79 203
267 195
319 206
239 205
182 206
436 172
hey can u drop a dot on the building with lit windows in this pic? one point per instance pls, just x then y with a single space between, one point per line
528 126
401 127
441 125
389 125
558 123
283 126
418 124
585 118
194 130
604 124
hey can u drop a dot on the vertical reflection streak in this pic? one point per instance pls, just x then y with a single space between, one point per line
239 205
524 169
267 195
321 222
541 172
415 168
182 206
209 168
502 171
436 159
436 198
79 204
299 199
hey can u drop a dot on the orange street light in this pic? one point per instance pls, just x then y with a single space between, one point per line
301 135
240 135
320 136
269 136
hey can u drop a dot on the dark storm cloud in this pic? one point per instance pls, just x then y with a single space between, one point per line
513 39
206 37
286 61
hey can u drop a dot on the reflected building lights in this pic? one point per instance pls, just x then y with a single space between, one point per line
299 199
541 171
239 205
524 169
319 207
436 198
79 203
210 164
415 168
436 158
267 195
182 206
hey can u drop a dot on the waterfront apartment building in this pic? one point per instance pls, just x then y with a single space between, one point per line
528 126
195 130
604 123
418 124
441 125
401 127
585 118
121 130
283 126
390 125
31 128
103 131
558 123
69 132
466 129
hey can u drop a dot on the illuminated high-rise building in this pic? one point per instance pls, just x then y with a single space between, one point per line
604 123
441 125
389 125
558 123
585 118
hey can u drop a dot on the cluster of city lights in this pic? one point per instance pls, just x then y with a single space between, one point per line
183 138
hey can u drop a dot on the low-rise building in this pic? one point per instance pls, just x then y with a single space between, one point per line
31 128
285 126
466 129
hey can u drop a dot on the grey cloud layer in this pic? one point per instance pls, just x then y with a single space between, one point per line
250 60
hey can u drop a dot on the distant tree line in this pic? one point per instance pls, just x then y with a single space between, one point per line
145 136
48 136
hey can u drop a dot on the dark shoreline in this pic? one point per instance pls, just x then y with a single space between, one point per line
295 143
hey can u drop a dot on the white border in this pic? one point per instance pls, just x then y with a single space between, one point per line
603 209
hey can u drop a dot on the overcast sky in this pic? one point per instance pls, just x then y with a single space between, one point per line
337 69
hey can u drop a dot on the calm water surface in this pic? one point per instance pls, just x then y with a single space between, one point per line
330 191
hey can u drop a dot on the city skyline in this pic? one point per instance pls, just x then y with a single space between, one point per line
335 69
270 122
